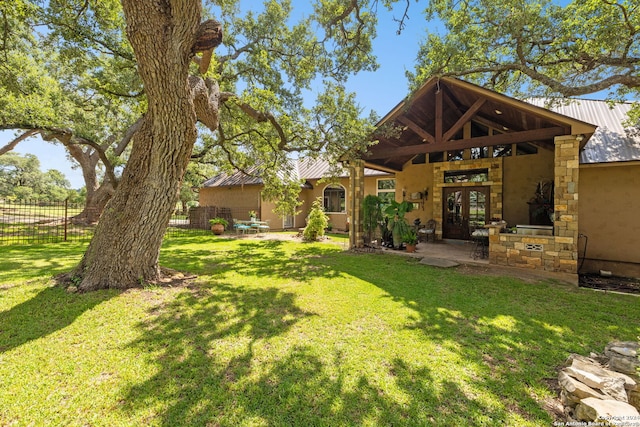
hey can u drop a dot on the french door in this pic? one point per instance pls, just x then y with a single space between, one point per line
464 210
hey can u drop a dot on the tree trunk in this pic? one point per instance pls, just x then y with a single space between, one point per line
125 248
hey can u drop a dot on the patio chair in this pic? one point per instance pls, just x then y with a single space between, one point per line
240 227
263 227
429 230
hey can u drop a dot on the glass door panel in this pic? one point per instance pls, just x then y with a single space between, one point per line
464 210
477 206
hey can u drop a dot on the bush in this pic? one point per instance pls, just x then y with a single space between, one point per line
316 223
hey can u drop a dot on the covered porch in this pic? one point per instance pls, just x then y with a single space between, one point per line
468 157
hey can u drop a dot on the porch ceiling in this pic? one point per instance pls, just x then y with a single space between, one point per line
447 114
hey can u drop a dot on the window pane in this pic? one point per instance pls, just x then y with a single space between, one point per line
455 155
524 149
477 175
386 184
479 152
334 199
502 150
387 196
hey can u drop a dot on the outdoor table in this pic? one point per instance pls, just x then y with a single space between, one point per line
480 239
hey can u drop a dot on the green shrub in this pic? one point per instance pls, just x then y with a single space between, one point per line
316 222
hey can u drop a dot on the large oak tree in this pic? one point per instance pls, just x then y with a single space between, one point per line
253 98
536 47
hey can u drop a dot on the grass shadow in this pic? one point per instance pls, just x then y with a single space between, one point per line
511 335
48 311
252 258
201 342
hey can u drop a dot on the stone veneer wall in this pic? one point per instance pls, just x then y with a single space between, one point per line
356 196
552 253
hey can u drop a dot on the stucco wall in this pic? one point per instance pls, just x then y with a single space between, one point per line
416 179
243 199
338 220
521 175
608 211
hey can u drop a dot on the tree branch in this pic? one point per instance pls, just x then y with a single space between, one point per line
128 136
11 145
66 137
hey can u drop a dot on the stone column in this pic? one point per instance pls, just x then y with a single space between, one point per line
356 195
565 226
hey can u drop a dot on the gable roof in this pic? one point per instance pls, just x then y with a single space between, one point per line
448 114
612 141
301 170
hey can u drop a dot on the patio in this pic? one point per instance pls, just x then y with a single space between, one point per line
449 253
459 251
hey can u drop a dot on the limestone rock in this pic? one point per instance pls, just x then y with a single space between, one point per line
611 411
590 365
574 390
595 377
634 399
623 356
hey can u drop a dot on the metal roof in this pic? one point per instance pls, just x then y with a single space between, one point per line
303 169
611 142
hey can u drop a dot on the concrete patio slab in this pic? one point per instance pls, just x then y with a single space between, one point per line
439 262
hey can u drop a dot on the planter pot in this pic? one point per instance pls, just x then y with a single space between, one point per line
217 229
410 247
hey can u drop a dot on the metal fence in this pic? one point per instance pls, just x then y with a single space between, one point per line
27 222
32 222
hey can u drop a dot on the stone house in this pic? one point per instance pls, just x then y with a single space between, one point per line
566 182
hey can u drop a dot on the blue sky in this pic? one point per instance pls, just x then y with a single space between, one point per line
379 91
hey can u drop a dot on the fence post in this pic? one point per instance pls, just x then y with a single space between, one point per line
66 217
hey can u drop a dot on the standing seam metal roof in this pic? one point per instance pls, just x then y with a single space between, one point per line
302 169
611 142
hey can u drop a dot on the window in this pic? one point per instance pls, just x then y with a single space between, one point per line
453 156
476 175
387 190
334 199
479 152
436 157
502 151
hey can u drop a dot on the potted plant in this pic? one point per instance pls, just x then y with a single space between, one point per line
410 239
218 225
253 215
398 225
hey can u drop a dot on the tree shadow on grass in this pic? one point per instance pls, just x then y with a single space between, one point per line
225 355
19 263
511 335
233 355
203 339
273 258
50 310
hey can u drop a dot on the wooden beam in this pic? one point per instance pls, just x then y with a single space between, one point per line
417 129
438 116
464 119
482 141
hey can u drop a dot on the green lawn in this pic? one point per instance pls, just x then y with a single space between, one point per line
276 333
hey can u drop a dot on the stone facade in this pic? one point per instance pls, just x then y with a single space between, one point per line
356 196
551 253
